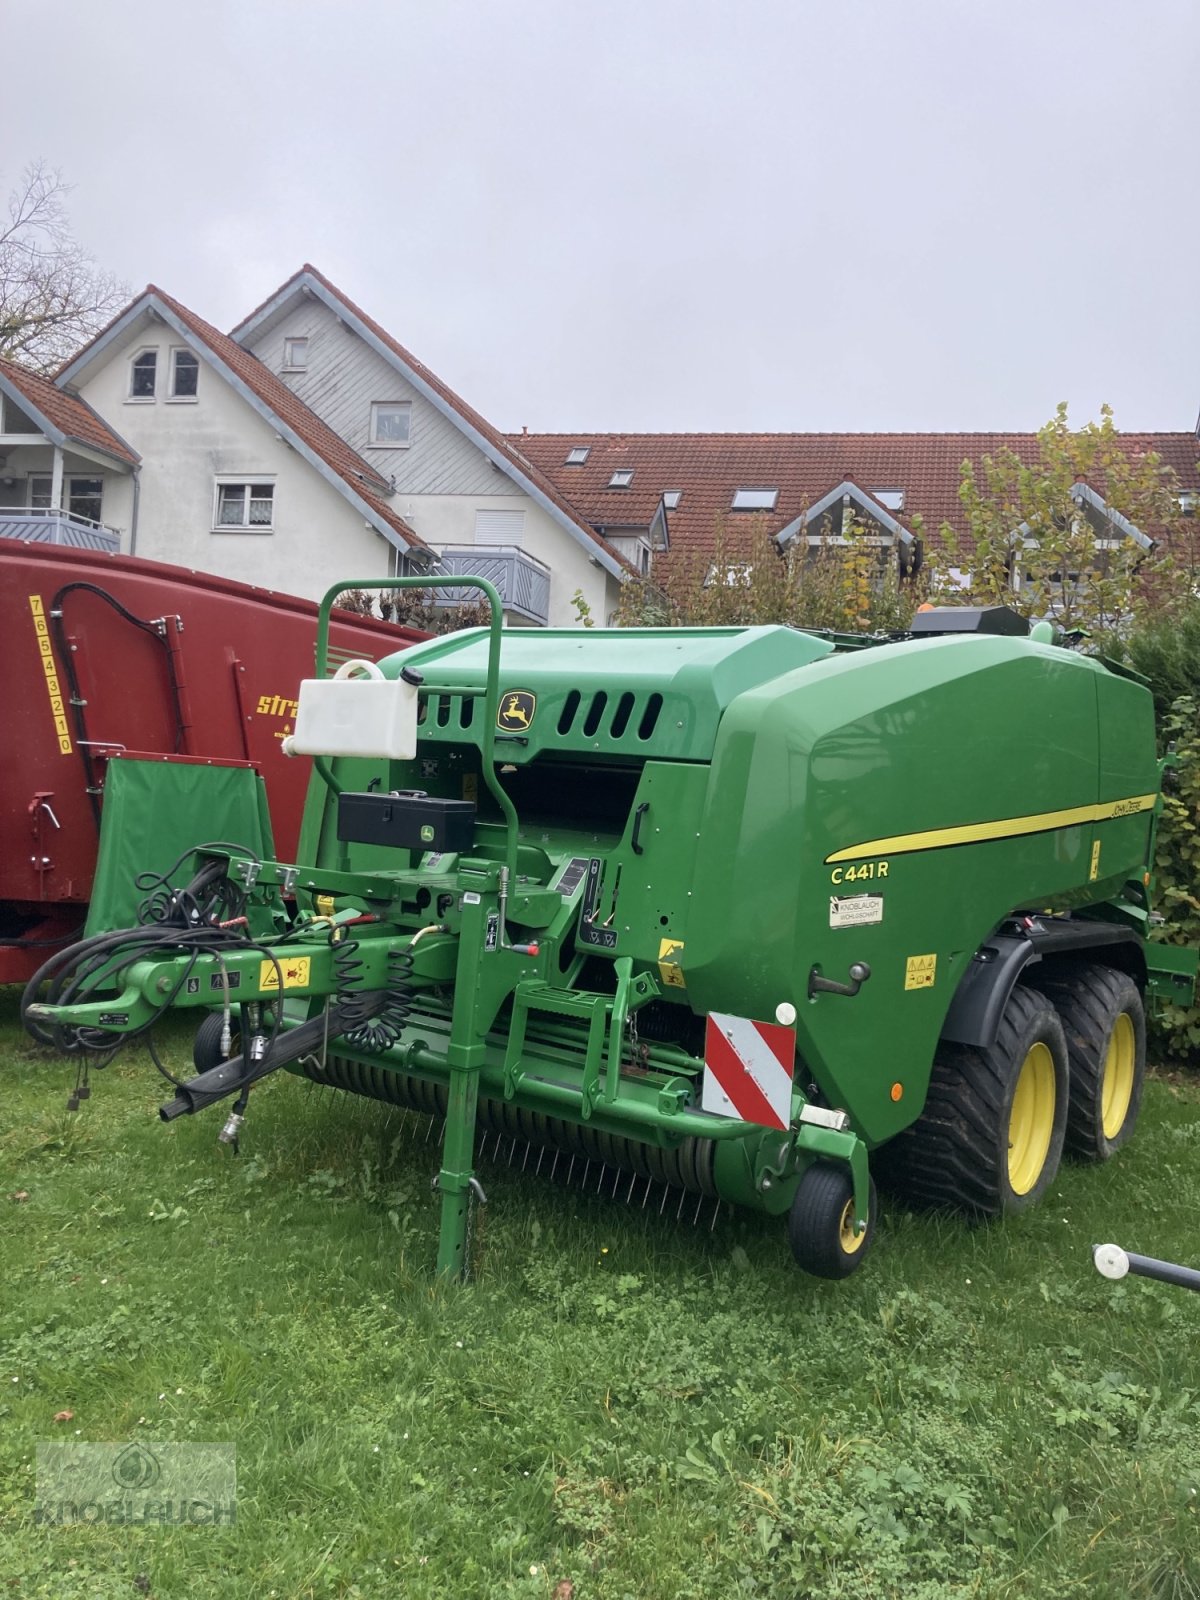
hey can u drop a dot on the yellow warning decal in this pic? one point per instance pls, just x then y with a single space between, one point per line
41 630
669 969
1002 828
920 972
1094 873
294 969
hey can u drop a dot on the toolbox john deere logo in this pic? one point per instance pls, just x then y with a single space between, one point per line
516 710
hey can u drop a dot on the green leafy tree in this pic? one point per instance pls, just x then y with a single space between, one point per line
1033 541
1177 869
847 585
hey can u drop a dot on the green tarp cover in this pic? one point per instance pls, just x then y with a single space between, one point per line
154 811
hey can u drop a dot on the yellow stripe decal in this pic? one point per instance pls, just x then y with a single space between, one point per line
1005 828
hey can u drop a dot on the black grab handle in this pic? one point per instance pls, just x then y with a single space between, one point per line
639 816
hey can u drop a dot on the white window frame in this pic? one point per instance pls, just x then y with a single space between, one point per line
890 499
132 399
767 498
671 499
290 364
246 481
577 455
68 489
622 478
378 406
175 352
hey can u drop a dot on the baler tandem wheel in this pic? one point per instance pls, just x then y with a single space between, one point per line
990 1138
1104 1021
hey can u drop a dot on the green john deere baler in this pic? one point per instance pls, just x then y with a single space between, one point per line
744 912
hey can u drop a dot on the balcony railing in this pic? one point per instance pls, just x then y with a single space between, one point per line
58 527
522 582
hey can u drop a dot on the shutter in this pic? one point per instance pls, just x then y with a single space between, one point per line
499 527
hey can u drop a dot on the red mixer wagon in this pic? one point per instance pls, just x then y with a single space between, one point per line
106 657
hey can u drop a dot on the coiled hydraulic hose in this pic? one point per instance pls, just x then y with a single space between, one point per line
373 1020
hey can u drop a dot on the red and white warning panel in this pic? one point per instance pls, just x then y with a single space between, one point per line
748 1070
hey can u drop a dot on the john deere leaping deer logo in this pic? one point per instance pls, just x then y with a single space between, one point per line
516 710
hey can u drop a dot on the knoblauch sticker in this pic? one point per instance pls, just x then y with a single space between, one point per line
855 911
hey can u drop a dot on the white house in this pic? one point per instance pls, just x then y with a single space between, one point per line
237 477
309 446
469 493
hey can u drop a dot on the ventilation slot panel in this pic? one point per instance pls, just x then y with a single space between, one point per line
595 713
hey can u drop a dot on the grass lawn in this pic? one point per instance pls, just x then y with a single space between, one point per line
619 1406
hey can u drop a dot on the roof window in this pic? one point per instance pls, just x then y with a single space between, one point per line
578 454
893 499
671 498
754 499
621 479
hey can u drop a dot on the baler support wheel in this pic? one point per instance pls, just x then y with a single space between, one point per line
206 1046
821 1223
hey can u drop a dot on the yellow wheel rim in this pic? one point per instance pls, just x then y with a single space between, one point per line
851 1242
1031 1120
1116 1086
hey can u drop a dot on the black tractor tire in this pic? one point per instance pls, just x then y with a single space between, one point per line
206 1046
968 1151
821 1222
1104 1020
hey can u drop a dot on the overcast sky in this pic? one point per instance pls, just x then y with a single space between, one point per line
944 214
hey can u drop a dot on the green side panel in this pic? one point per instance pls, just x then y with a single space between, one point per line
615 694
907 741
1171 972
154 811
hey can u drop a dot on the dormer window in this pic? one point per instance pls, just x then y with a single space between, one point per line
295 355
754 499
671 498
621 479
893 499
185 375
578 454
143 375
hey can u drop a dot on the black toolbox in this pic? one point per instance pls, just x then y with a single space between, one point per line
409 820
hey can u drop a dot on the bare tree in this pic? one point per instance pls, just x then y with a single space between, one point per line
53 297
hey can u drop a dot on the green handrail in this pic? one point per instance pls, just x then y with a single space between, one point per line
491 693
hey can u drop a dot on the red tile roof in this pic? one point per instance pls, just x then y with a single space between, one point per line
65 412
356 473
708 467
508 447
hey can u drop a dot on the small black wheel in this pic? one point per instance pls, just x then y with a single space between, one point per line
1105 1024
990 1137
206 1046
821 1222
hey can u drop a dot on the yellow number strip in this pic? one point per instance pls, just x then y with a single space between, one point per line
1005 828
58 708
